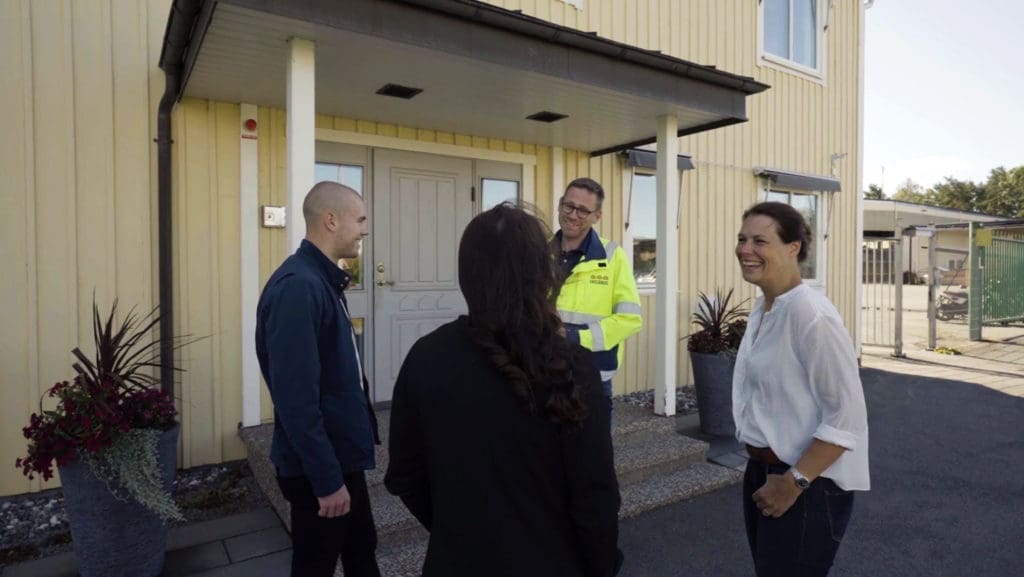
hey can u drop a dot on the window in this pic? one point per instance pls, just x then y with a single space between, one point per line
807 204
495 191
643 227
352 177
790 33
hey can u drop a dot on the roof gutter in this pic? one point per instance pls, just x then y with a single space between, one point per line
177 37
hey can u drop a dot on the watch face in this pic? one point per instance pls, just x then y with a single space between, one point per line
803 483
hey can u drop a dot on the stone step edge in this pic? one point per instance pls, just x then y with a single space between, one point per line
684 450
405 559
652 455
674 486
634 463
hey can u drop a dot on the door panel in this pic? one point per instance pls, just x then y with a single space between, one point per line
422 204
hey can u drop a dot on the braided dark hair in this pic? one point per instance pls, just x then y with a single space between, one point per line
508 276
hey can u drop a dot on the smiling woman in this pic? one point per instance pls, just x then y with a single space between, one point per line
798 404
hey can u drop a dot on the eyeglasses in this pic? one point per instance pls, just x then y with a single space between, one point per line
566 209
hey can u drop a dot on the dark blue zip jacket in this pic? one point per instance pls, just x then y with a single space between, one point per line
323 422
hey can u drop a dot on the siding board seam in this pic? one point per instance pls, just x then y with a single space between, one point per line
31 269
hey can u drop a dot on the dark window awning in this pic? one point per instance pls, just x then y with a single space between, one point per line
481 70
799 180
649 159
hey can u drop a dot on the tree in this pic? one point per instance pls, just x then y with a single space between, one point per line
1004 193
910 191
958 194
874 192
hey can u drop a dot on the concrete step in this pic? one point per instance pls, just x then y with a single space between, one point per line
402 561
630 422
646 446
404 558
636 459
673 486
640 457
395 524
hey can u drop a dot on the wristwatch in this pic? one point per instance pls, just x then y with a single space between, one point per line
801 481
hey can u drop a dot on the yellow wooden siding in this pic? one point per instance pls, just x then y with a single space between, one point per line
207 279
80 93
76 159
795 125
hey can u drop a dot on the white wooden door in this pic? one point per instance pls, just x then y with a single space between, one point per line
422 204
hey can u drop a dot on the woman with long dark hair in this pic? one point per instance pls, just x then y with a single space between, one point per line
499 443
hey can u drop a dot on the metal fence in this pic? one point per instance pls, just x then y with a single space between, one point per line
1003 281
882 294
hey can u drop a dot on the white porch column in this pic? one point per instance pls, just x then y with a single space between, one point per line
301 134
557 182
666 329
249 261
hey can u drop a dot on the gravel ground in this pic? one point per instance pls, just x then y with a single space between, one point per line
686 400
35 525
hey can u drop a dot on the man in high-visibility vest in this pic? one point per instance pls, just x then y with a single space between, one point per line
598 301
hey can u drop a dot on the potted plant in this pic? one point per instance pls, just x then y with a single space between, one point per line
713 357
113 435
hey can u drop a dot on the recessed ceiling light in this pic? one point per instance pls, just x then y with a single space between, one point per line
399 91
547 116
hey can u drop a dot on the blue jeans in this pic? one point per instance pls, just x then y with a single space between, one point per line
607 386
802 542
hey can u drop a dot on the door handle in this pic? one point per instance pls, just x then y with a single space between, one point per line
381 280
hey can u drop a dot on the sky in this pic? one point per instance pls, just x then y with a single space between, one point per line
943 90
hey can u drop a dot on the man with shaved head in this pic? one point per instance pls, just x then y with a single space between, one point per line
324 426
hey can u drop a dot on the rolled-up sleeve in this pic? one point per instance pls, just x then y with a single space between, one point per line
831 364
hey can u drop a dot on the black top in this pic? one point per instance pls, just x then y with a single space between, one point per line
501 492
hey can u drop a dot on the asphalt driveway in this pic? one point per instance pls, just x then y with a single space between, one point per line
947 498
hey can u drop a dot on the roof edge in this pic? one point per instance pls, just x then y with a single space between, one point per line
516 21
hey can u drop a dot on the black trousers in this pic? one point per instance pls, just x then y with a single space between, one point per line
317 542
802 542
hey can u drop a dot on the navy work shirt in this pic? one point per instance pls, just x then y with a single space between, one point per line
323 422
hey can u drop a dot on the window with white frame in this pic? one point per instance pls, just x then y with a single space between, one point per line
352 177
497 182
495 191
791 34
643 227
808 204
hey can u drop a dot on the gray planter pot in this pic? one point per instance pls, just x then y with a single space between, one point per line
114 538
712 379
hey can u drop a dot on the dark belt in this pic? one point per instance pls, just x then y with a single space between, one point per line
764 455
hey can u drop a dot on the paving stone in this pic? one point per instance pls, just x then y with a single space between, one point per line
60 565
191 560
731 460
273 565
257 544
223 528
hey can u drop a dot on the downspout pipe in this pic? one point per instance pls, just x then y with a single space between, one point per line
180 24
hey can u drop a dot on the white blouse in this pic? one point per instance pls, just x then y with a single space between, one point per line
796 380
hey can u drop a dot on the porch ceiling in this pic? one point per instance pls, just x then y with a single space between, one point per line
482 70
